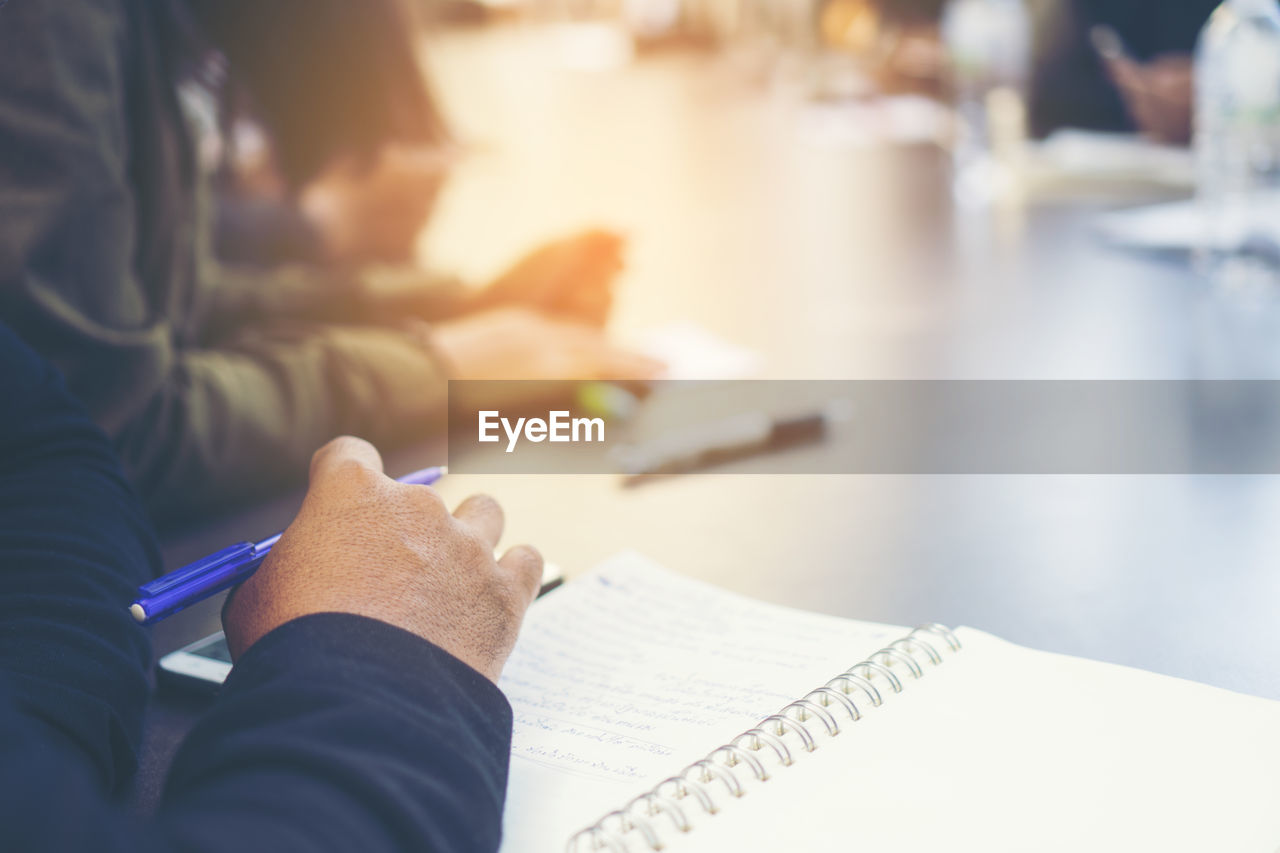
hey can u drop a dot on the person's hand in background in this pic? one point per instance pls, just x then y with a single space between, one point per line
1158 94
570 278
374 211
520 344
364 544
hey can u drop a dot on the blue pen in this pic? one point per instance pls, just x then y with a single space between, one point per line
181 588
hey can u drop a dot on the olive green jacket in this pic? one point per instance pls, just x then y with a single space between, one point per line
214 384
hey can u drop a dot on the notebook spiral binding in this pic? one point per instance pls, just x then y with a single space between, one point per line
912 654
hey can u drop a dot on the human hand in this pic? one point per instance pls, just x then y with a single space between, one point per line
364 544
1158 94
572 277
374 211
519 344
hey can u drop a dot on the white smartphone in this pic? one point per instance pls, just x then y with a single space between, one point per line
205 664
202 665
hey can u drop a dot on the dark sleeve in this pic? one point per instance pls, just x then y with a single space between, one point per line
337 732
74 543
334 733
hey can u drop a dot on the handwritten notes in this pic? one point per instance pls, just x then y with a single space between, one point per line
630 672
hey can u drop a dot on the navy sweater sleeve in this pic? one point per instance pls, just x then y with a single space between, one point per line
334 732
337 732
74 544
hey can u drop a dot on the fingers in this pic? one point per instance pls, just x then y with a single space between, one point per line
600 247
1161 80
1157 95
344 451
1129 78
1123 70
602 237
525 565
1171 81
418 160
591 255
590 304
482 515
580 282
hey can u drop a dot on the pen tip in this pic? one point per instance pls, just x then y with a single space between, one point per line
136 611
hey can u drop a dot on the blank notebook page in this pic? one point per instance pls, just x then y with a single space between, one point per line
1001 748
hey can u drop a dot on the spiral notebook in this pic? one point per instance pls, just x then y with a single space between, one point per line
655 712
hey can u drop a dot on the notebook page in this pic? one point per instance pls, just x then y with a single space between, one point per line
630 672
1006 749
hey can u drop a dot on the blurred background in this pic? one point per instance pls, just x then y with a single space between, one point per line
881 189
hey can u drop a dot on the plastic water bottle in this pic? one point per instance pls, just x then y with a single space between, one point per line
1237 137
989 44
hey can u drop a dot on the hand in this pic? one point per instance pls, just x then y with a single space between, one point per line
572 278
515 343
1158 94
363 543
374 212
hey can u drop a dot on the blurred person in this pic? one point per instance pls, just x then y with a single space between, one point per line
1147 89
215 381
348 153
362 713
336 153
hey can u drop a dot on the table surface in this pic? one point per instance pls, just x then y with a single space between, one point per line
847 260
